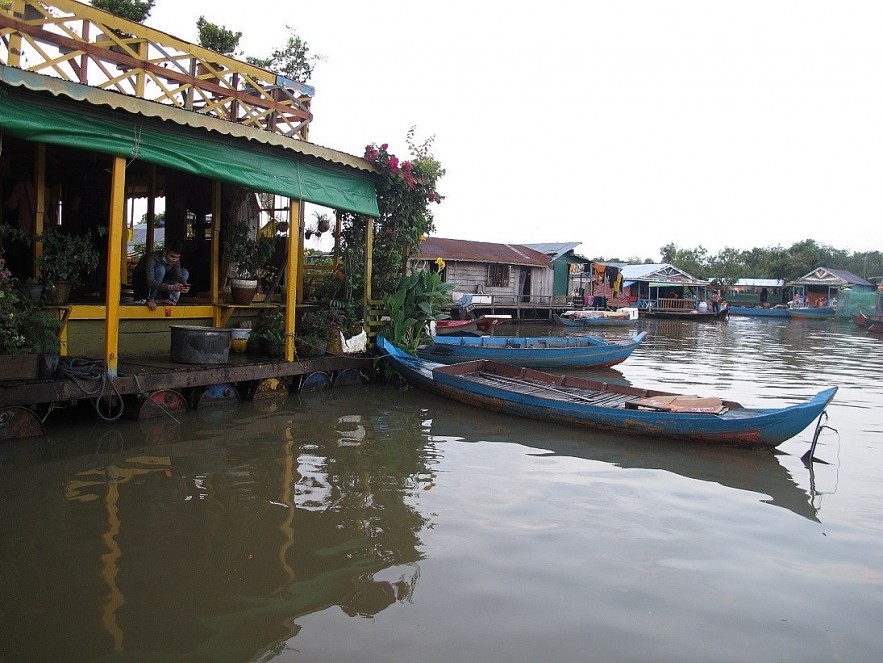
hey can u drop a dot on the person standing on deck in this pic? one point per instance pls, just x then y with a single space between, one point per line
158 277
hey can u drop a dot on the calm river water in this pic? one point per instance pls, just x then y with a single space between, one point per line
377 524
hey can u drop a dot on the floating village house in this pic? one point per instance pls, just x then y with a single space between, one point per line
823 285
499 277
96 110
565 263
662 286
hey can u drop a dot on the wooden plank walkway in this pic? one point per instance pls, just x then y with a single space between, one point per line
138 375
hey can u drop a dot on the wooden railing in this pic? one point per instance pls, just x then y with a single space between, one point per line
76 42
674 304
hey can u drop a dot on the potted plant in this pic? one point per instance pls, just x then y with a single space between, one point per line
247 255
312 332
65 259
30 289
26 331
270 332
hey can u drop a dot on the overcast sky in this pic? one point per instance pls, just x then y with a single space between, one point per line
624 125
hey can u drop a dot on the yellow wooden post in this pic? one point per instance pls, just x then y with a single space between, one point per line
124 242
116 224
369 255
299 276
292 270
18 11
215 267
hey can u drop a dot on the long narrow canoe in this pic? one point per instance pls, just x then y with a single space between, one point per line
813 312
759 311
600 321
569 400
538 352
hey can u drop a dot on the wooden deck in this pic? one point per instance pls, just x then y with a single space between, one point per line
148 374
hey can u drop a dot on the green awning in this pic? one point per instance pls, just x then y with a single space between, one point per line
59 121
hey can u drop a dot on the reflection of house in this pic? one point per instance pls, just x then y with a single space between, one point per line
565 262
822 285
509 272
646 284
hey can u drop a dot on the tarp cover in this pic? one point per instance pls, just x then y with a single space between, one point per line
58 121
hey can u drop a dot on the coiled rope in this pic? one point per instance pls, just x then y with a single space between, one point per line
80 370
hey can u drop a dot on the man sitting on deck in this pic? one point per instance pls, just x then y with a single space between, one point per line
158 277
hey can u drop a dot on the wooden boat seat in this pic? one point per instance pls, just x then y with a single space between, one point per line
686 404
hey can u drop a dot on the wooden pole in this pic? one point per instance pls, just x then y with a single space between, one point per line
115 240
369 255
215 266
293 273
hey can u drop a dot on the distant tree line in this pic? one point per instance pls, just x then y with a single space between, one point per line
772 262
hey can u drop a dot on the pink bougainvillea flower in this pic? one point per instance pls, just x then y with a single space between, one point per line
393 163
407 167
384 147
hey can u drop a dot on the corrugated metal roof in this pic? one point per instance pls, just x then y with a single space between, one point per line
554 249
98 97
466 251
760 283
827 276
659 273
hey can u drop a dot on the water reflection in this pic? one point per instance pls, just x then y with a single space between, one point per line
741 469
245 530
219 542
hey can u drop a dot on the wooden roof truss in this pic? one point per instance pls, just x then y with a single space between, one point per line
77 42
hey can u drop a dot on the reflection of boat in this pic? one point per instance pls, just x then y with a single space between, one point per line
779 311
565 399
549 351
595 318
812 312
760 473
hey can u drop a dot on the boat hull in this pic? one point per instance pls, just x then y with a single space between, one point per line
583 404
758 312
875 324
693 316
859 319
761 428
592 322
816 313
542 352
454 327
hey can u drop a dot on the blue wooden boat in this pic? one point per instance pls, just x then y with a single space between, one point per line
600 321
760 312
570 400
813 312
536 352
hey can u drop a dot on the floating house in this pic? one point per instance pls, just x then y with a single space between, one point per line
824 287
823 284
565 263
96 111
662 287
501 278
